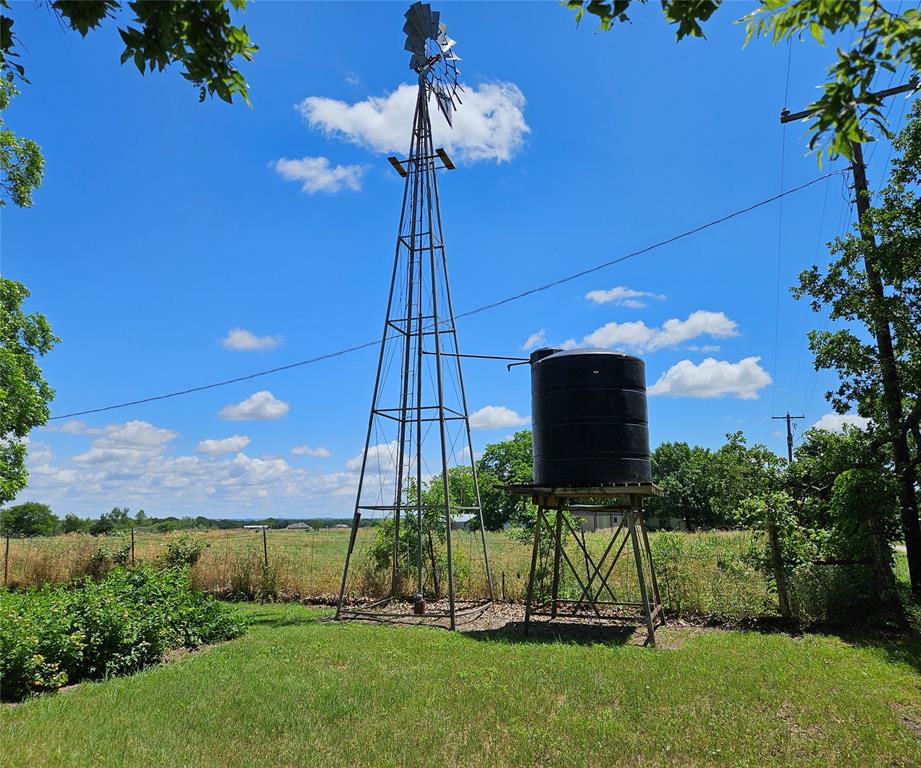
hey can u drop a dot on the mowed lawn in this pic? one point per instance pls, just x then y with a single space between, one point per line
298 690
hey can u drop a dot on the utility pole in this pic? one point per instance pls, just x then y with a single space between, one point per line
882 331
788 418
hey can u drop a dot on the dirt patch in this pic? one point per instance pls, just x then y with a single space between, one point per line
505 622
908 717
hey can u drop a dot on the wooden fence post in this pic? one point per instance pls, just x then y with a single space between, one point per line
265 550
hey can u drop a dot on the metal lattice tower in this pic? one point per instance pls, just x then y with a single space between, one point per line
418 429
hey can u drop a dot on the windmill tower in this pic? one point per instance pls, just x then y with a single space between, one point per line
418 436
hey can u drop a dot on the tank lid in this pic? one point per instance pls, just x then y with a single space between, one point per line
540 354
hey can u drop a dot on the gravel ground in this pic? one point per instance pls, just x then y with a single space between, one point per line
505 621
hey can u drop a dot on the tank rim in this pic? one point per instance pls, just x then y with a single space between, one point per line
585 352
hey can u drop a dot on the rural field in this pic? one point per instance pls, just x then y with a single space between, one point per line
705 573
298 690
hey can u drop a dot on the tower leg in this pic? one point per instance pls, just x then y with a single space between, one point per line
348 557
538 524
557 548
652 571
641 577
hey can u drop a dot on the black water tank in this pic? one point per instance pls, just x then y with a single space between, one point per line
588 408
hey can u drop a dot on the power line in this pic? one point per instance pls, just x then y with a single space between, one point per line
468 313
216 384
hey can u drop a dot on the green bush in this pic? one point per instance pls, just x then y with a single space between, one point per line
186 550
55 636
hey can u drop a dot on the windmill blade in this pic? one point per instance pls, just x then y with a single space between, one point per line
446 106
422 25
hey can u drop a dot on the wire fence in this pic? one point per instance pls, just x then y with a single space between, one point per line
237 564
707 573
713 574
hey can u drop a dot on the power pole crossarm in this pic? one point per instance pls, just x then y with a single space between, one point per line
786 116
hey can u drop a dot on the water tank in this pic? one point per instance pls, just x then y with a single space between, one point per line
588 408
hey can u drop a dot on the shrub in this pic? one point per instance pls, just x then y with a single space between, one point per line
186 550
129 620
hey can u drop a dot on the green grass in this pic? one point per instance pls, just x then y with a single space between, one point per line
300 691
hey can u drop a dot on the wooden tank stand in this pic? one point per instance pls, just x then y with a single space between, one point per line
597 599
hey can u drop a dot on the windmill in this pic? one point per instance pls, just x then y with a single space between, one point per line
418 428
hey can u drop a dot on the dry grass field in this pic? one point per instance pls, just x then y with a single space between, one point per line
704 573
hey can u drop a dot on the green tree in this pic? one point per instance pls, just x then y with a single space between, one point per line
433 531
863 504
885 40
109 522
889 244
73 524
21 161
28 519
503 464
843 508
199 37
741 472
684 474
24 393
818 460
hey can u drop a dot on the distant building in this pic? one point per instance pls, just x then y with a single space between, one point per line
666 523
461 522
602 521
598 521
255 527
299 527
341 525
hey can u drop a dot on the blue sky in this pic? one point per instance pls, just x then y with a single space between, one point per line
164 225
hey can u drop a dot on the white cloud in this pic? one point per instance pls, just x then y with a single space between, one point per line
569 344
836 422
489 126
73 427
713 378
217 446
704 348
382 455
639 336
463 455
495 416
306 450
620 294
129 442
40 453
352 79
535 340
241 340
260 405
128 464
317 175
